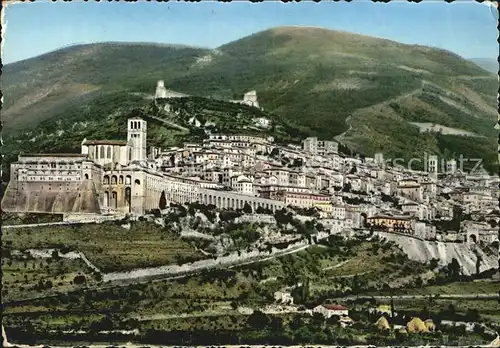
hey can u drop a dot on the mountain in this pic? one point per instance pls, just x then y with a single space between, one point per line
487 64
371 94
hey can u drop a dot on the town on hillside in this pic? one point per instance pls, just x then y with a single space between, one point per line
231 171
312 190
250 175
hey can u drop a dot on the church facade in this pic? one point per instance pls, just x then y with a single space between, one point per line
107 176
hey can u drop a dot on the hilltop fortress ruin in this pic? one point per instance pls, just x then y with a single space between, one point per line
163 93
249 98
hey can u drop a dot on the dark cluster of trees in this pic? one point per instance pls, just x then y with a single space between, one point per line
30 218
392 199
455 223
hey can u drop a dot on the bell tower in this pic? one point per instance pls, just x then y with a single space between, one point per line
136 136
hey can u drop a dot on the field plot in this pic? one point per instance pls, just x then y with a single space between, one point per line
108 246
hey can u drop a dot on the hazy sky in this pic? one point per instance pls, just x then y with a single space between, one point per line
464 27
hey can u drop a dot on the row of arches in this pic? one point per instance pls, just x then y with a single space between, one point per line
236 203
135 125
111 199
114 180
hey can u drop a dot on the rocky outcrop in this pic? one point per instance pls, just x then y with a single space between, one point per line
424 251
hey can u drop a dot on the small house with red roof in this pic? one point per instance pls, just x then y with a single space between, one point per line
328 310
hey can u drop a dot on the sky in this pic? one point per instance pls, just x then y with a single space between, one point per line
464 27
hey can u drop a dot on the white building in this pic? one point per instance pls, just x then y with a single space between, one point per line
319 147
432 164
451 166
242 184
283 297
262 122
330 310
338 212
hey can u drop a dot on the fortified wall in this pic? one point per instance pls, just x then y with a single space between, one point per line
40 197
49 183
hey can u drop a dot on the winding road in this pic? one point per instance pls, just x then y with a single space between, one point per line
412 297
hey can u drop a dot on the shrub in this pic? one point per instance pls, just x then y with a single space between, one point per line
79 279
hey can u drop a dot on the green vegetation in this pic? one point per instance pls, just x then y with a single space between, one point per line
448 309
25 276
108 246
309 81
487 64
29 218
457 288
191 310
337 268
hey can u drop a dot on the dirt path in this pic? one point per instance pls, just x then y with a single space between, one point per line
342 136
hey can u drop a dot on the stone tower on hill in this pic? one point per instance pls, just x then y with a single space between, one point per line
161 91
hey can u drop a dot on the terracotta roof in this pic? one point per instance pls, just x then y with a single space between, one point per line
335 307
389 217
52 155
105 142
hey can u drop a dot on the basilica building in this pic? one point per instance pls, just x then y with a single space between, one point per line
107 176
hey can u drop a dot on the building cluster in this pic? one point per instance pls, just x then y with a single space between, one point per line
234 171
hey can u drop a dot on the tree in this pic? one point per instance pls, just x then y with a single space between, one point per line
163 201
479 329
493 223
472 314
79 279
347 187
454 269
260 210
258 320
333 320
433 263
55 254
282 217
478 263
247 209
